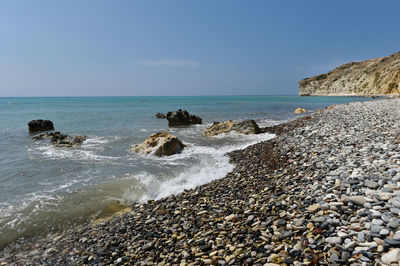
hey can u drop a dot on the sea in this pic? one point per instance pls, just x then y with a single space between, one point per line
45 189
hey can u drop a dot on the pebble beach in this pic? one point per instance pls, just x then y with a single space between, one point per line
324 191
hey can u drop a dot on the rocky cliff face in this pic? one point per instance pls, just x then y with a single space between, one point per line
379 76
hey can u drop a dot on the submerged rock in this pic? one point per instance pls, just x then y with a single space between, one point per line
161 144
47 135
63 140
182 118
160 116
40 125
245 127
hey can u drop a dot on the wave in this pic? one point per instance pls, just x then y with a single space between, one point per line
199 165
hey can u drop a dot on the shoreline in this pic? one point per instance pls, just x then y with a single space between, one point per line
289 199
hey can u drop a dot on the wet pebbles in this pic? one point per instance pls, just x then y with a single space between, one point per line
324 191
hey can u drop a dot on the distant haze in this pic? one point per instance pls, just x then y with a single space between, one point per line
129 48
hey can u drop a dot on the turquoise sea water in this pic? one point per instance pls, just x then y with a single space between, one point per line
45 189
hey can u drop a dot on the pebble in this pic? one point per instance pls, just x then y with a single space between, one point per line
359 200
334 240
314 207
393 256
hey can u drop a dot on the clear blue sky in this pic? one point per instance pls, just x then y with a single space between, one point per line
106 48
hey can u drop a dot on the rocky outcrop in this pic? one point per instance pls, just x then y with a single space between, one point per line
160 116
245 127
47 135
379 76
160 144
300 110
63 140
182 118
218 128
40 125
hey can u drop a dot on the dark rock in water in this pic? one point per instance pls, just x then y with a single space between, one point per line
182 118
247 127
63 140
47 135
160 116
40 125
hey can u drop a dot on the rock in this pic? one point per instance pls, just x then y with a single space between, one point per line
161 144
397 236
384 232
376 76
300 110
218 128
315 207
182 118
371 184
393 256
148 245
392 242
359 200
334 240
230 217
40 125
47 135
247 127
244 127
160 116
63 140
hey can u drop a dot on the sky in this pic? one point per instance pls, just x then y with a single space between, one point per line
187 47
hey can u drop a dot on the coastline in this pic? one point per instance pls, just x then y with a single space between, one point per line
285 201
388 96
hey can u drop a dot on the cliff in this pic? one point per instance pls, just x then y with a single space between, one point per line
378 76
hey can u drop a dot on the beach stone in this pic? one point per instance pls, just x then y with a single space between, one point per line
371 184
395 211
393 256
230 217
314 207
359 200
182 118
392 242
160 144
40 125
334 258
397 236
384 232
148 245
334 240
376 229
377 222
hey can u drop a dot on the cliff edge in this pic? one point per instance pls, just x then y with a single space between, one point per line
378 76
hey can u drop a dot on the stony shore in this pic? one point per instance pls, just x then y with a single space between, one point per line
324 191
